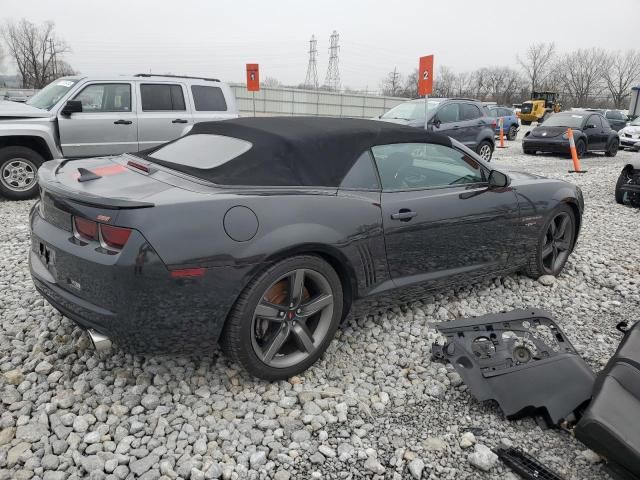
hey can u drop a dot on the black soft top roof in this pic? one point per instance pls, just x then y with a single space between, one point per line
298 151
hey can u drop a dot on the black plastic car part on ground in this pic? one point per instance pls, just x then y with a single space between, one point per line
591 133
628 184
157 255
520 359
611 424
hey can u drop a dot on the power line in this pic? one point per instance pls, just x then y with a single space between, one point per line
311 80
332 80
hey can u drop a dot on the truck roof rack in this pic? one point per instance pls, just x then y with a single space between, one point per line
175 76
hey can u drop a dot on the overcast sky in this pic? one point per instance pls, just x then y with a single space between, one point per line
218 37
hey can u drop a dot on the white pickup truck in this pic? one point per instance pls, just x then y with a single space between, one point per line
77 117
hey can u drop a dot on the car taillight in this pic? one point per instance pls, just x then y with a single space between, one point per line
494 125
114 237
87 229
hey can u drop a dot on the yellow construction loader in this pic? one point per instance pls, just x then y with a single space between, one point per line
541 105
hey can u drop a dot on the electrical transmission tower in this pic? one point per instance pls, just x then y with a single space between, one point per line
311 80
332 81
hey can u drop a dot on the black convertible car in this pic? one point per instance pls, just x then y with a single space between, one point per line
591 133
262 233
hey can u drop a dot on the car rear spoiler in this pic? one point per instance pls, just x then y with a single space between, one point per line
47 181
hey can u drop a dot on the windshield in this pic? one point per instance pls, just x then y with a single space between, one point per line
51 94
410 110
572 120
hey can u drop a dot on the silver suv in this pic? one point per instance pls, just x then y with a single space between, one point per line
75 117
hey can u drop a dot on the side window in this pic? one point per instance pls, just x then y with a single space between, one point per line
161 97
362 175
494 112
595 120
208 99
105 97
405 166
448 113
469 111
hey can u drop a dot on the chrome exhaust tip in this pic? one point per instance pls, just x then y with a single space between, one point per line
100 342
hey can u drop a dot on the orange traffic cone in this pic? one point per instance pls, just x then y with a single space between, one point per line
574 154
501 123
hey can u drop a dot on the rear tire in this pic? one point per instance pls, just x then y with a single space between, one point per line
269 331
560 246
485 150
512 133
19 172
612 151
525 122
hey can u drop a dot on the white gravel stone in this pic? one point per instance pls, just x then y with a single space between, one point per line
483 458
416 467
467 440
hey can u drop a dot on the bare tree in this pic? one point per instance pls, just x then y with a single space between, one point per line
392 85
581 75
36 51
445 82
621 70
271 82
536 62
411 85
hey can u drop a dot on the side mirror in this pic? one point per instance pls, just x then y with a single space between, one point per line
498 179
436 122
72 106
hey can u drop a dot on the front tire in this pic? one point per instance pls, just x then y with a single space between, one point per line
285 318
485 150
19 172
555 243
581 148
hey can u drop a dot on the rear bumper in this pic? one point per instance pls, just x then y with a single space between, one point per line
551 145
131 297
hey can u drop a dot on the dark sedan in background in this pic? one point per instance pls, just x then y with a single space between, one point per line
591 133
263 233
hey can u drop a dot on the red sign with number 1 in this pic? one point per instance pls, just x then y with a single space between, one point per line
425 75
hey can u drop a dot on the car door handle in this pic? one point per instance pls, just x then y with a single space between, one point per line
122 122
179 120
404 215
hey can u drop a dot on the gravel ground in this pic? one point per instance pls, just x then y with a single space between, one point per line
373 407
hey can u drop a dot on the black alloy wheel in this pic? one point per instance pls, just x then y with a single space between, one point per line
555 243
285 319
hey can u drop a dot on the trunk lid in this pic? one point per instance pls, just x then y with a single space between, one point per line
109 182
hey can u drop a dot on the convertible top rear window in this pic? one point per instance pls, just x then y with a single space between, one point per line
202 151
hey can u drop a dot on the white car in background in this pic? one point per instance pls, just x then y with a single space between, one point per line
630 135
